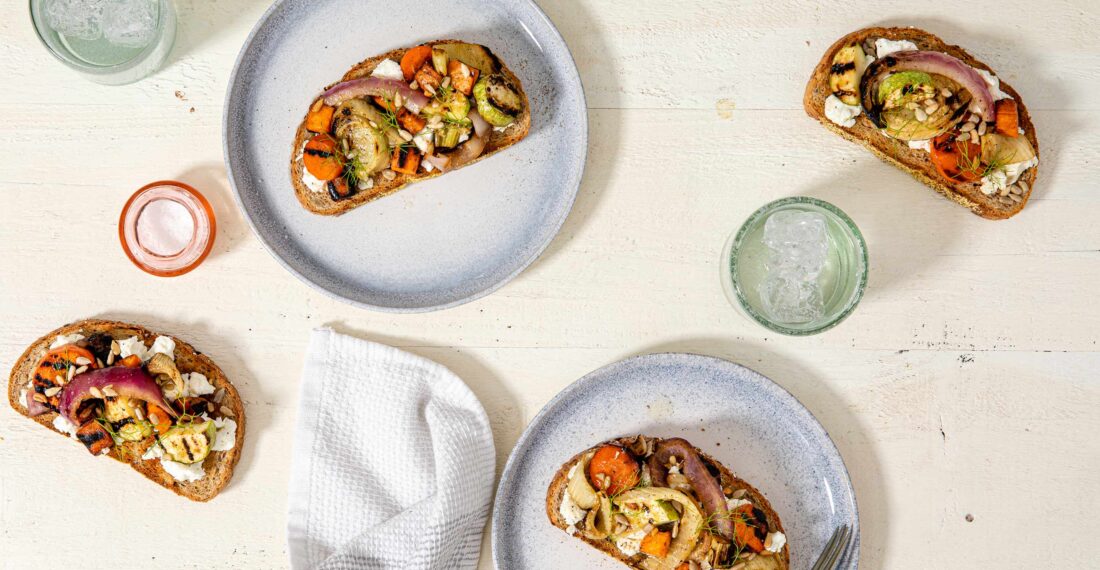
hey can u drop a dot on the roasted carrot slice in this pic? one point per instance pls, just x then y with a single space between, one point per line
462 76
413 59
410 121
159 417
428 79
1008 118
132 361
744 525
320 158
405 160
613 469
53 369
955 160
319 119
656 543
386 104
94 437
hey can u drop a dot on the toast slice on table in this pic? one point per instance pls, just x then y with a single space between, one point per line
405 116
663 504
932 110
141 398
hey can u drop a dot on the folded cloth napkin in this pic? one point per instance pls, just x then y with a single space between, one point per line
393 461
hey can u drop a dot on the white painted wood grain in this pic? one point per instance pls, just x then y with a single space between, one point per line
965 383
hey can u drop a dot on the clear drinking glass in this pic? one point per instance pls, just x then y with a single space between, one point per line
841 281
107 41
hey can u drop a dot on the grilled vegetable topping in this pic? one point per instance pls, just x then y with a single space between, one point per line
439 61
414 59
367 148
485 107
319 158
189 443
405 160
319 119
95 437
503 95
463 77
613 469
473 55
52 372
848 66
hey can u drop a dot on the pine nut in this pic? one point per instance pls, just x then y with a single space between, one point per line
51 392
921 115
967 127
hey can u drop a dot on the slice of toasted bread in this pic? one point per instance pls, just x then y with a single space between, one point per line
916 161
218 465
729 482
322 202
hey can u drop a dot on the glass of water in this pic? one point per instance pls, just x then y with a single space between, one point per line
797 266
108 41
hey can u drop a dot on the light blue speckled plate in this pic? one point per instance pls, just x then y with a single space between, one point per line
435 244
739 417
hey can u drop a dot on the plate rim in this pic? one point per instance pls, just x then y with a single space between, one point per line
231 88
508 472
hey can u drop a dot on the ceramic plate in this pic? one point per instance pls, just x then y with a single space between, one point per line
437 243
739 417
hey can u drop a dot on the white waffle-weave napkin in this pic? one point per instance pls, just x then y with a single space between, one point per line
393 462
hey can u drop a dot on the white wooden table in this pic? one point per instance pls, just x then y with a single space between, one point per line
963 392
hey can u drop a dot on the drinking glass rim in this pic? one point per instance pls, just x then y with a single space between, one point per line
751 223
100 69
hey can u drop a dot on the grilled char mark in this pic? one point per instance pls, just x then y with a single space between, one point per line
316 152
121 423
187 448
842 68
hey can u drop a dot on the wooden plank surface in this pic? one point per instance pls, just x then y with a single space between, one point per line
965 383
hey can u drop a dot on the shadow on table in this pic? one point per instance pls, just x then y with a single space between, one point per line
210 180
899 245
1019 63
505 413
590 51
851 436
203 22
208 340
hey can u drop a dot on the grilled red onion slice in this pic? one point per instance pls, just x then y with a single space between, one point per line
34 407
376 87
706 487
461 156
129 382
929 62
481 126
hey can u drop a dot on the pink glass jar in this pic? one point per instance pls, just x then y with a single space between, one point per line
167 228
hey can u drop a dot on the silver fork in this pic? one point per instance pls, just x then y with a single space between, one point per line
834 549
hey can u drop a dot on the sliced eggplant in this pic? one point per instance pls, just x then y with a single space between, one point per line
848 66
189 443
473 55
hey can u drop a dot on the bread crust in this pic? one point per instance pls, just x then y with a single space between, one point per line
557 489
219 465
915 161
322 203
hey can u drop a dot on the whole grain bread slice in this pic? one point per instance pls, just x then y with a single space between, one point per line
218 465
555 493
916 161
322 203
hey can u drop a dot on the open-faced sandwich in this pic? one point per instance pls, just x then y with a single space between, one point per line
662 504
405 116
147 400
932 110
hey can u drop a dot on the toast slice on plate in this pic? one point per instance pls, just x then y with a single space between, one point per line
663 504
148 400
932 110
405 116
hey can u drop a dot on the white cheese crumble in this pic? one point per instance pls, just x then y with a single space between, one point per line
155 451
197 384
226 436
777 540
63 339
1006 176
133 346
163 345
840 112
925 145
63 425
178 471
630 543
570 512
388 69
885 47
994 84
24 397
